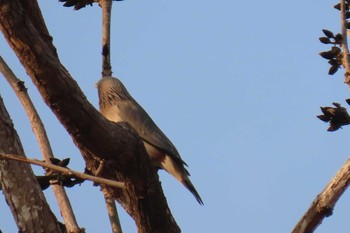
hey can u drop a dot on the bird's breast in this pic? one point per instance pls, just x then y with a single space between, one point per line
112 114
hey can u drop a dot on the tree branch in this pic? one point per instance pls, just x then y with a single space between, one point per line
337 117
106 6
31 212
117 146
106 37
323 205
112 212
64 170
41 136
345 48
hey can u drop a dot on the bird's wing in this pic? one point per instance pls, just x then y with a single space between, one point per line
138 118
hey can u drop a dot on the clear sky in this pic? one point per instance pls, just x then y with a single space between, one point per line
236 85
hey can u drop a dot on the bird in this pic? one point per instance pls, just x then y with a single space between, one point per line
117 105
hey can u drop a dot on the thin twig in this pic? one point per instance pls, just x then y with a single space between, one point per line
324 203
345 48
106 37
64 170
43 141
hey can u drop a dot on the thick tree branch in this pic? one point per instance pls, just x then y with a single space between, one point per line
116 146
22 191
323 205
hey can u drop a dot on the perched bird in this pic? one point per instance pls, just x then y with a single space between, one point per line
117 105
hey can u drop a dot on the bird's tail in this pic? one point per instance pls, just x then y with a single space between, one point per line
188 184
181 174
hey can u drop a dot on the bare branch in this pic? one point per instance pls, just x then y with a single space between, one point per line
106 37
345 48
106 72
40 133
17 180
323 205
64 170
112 212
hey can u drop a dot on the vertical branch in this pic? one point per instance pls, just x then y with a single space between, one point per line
107 72
106 37
40 133
324 203
112 212
345 48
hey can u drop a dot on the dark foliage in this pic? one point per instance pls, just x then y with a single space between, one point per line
334 55
78 4
336 116
52 177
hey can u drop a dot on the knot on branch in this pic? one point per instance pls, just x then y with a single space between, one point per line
21 86
105 50
325 211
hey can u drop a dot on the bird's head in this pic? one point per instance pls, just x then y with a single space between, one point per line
110 90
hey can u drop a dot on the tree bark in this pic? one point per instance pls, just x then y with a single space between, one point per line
116 148
324 203
21 189
43 141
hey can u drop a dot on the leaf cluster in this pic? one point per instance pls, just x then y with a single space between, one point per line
336 116
334 55
52 177
78 4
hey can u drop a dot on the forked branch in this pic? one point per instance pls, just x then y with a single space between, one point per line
43 141
117 146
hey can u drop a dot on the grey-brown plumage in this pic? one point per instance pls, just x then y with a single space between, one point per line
117 105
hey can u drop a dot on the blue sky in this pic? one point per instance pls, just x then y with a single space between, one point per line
236 85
